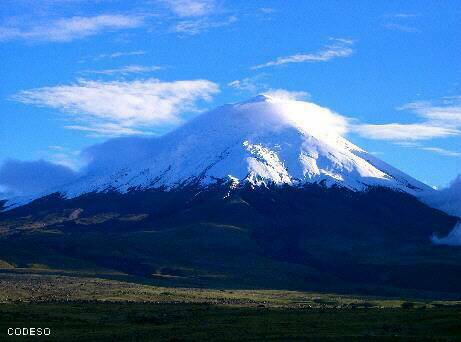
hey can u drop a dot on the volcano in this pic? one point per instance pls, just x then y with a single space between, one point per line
263 193
263 141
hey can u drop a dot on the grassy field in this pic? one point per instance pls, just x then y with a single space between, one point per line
91 308
182 321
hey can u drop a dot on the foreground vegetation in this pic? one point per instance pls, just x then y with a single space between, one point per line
148 321
91 308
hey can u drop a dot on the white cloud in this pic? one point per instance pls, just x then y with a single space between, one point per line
446 112
402 28
190 8
403 22
413 144
442 151
107 130
64 157
441 119
113 55
267 10
193 27
416 145
68 29
405 15
56 147
284 94
122 108
251 85
118 54
338 48
403 132
245 84
128 69
254 85
193 17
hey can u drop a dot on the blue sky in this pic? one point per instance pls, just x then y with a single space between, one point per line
76 73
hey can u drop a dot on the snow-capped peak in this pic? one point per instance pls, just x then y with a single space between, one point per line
270 112
266 140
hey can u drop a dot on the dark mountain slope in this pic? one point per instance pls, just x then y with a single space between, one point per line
312 237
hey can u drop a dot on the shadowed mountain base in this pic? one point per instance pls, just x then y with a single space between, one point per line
309 238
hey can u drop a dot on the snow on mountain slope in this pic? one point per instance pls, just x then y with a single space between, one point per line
262 141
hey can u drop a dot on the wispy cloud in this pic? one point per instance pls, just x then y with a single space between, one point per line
121 54
61 155
267 10
442 151
402 28
245 84
68 29
403 22
112 55
107 130
191 8
338 48
414 144
122 108
128 69
445 112
284 94
256 85
251 85
405 15
402 132
441 119
192 17
193 27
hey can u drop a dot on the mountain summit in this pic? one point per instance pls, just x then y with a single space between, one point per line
262 141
